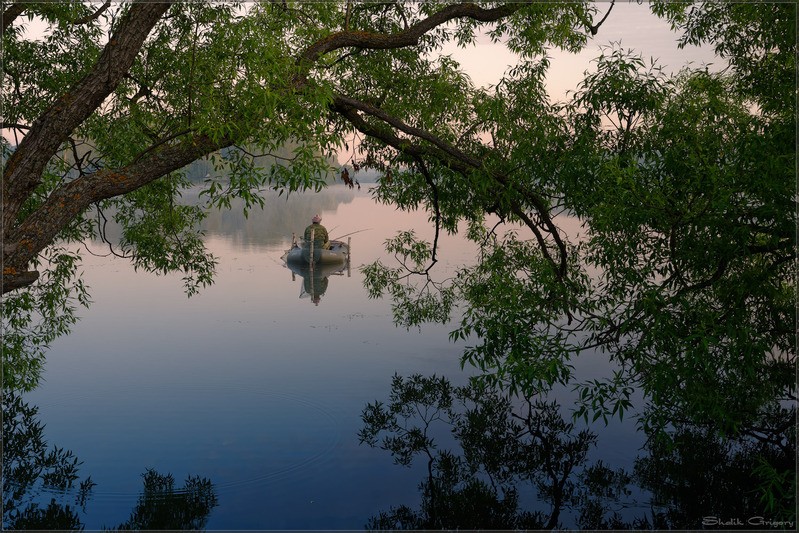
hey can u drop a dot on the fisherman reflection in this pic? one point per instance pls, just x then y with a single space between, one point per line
314 286
316 279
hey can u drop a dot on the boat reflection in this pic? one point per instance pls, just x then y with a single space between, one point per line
315 279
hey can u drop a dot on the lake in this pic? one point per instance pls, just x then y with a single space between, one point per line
251 384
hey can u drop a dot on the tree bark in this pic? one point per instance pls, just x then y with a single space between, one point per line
24 168
67 202
10 13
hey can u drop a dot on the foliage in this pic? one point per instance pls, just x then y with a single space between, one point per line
756 39
32 319
683 186
485 450
503 442
161 235
412 303
31 467
688 229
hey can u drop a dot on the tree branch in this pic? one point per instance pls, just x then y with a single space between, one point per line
13 126
455 158
594 28
93 16
11 13
68 201
342 101
407 37
25 167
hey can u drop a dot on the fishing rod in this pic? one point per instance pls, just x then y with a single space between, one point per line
353 233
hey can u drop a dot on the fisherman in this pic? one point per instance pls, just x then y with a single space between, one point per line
320 235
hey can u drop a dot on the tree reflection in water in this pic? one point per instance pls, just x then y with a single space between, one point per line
161 506
32 469
699 478
507 445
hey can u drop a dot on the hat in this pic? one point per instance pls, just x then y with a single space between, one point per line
316 219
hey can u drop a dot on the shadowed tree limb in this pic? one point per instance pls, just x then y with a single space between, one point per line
24 168
10 13
65 203
93 16
407 37
455 159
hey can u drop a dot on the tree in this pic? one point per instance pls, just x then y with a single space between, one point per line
504 443
114 100
684 183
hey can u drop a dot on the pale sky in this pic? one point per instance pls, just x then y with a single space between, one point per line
633 25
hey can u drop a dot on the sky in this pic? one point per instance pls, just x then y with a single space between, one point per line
630 24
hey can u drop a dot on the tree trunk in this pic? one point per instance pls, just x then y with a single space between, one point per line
24 169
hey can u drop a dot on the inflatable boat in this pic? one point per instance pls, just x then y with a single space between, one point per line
300 254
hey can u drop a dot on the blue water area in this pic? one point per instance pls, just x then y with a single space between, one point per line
252 384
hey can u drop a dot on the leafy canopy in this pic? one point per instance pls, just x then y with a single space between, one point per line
684 184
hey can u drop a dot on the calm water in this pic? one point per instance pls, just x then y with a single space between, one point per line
251 384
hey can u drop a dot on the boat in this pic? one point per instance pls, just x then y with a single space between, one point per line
333 261
300 254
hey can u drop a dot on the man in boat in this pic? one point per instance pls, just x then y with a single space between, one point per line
320 236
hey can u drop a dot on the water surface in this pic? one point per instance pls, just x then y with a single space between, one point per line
250 383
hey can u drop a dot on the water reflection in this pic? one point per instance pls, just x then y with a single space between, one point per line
509 448
315 280
700 479
42 489
162 506
509 454
241 383
32 472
